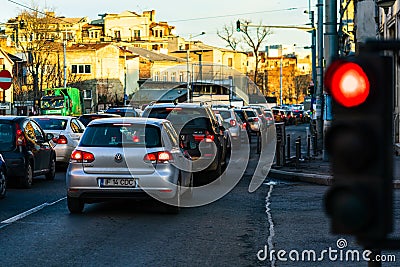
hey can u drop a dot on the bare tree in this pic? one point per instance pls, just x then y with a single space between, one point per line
228 35
251 35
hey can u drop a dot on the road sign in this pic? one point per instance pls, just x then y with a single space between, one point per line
5 79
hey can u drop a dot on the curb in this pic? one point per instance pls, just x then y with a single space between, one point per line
320 179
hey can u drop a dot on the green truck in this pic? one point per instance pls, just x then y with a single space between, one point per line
62 101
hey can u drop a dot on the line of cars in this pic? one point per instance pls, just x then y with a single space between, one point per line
293 114
128 157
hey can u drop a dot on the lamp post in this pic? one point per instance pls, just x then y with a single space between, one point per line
187 67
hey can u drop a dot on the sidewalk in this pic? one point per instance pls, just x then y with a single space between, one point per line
318 171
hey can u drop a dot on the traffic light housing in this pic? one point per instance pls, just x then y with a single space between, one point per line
359 144
310 90
238 25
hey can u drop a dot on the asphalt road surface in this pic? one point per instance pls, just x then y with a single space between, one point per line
36 229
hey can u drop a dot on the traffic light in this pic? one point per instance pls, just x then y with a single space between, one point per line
310 90
359 144
238 25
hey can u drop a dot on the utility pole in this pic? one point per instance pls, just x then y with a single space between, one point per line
320 70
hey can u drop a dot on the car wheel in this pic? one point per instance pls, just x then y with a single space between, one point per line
3 184
176 207
216 175
52 170
27 180
188 194
75 205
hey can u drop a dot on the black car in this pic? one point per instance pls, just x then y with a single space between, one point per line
86 118
26 150
198 130
123 111
3 179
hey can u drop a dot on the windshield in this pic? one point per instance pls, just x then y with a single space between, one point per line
118 135
52 123
6 137
52 102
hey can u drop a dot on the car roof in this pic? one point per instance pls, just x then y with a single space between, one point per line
12 118
180 105
53 117
138 120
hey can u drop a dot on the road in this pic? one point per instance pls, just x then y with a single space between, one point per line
232 231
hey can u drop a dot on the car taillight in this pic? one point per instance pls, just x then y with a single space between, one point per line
244 125
209 137
255 119
61 139
79 156
158 157
20 140
233 123
198 137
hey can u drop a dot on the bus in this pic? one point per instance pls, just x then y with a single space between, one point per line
62 101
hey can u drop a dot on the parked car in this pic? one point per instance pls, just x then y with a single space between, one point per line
231 123
67 131
26 150
196 125
3 178
268 115
127 158
123 111
86 118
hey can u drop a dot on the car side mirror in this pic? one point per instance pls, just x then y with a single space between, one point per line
49 136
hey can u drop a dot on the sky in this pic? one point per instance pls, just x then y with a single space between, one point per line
190 17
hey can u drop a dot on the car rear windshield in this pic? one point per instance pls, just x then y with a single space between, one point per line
6 136
123 112
250 113
240 114
121 134
51 124
226 114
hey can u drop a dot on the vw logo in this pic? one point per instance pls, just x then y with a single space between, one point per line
118 157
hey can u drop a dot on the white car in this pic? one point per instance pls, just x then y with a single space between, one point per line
67 131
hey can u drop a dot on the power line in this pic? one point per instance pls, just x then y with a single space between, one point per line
239 14
43 13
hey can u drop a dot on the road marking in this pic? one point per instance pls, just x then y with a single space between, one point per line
27 213
271 223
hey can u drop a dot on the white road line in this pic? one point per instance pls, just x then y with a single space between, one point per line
28 212
271 223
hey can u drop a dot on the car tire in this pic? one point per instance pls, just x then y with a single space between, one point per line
26 180
217 173
52 170
175 209
3 184
188 194
75 205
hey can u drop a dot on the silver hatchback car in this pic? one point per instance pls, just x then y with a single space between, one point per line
128 157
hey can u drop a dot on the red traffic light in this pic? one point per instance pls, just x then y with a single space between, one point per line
348 83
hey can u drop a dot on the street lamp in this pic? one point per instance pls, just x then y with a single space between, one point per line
187 66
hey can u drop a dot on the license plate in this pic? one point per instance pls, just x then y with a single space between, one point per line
118 182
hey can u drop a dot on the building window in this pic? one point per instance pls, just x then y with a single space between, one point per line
173 77
181 76
165 76
96 35
88 94
230 61
136 33
156 76
1 61
81 69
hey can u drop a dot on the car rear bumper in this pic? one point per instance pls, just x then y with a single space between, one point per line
82 185
15 164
